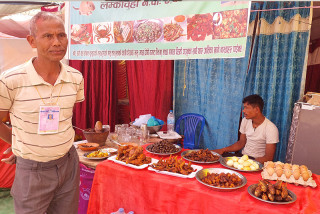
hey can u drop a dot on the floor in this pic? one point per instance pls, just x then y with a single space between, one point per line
6 202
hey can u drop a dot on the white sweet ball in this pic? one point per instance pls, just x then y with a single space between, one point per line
230 162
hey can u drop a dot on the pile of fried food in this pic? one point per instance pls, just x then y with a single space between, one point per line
223 180
97 154
173 164
272 192
201 155
163 147
132 155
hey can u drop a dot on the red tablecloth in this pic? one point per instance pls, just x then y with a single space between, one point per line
7 171
144 191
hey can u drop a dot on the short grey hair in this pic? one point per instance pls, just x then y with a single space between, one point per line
41 16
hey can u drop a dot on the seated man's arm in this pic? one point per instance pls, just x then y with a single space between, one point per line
234 147
270 150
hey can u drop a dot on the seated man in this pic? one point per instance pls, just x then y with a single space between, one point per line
259 136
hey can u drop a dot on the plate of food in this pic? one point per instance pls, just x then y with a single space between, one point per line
276 193
96 155
142 166
169 167
163 148
242 164
132 156
221 179
201 156
148 31
88 146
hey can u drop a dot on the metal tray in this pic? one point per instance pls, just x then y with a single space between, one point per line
202 173
177 146
252 187
223 161
201 162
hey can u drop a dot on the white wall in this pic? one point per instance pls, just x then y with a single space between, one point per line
14 52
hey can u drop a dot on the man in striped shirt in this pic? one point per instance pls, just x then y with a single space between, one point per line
40 96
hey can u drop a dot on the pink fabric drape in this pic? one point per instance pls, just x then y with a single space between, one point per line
150 85
100 94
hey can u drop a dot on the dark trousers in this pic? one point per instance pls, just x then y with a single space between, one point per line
47 187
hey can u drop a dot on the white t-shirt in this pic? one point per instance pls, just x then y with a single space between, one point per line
265 133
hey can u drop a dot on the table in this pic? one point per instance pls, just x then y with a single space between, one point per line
7 171
144 191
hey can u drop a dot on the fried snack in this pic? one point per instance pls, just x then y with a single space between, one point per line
274 192
163 147
201 155
132 155
222 180
173 164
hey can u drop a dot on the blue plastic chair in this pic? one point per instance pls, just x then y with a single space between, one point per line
190 122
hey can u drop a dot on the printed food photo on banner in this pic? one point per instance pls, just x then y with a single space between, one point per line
81 34
233 25
148 31
200 27
175 29
123 32
85 8
103 33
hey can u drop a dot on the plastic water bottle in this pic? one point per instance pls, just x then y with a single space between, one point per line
120 211
170 122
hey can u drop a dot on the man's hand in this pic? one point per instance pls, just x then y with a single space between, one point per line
219 151
11 159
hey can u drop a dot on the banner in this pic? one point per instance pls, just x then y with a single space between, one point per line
145 30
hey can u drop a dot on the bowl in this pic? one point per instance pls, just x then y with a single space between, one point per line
88 146
96 137
152 129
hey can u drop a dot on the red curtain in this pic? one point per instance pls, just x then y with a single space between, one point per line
150 84
100 94
313 78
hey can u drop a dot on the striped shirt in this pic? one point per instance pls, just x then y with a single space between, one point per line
22 92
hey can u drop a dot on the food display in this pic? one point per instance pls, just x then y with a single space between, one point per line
173 164
221 179
123 32
277 193
224 180
163 147
201 156
97 154
233 24
199 27
132 155
148 31
88 146
172 31
241 164
297 174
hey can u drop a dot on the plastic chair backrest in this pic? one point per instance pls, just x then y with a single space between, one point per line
191 122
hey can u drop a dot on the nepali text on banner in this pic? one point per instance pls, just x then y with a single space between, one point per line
146 30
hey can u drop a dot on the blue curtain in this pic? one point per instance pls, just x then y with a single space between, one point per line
214 89
276 66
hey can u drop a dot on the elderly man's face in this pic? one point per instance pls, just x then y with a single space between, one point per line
50 40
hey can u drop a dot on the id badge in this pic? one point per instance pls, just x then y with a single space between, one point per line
48 119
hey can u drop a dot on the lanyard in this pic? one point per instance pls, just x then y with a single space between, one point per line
50 97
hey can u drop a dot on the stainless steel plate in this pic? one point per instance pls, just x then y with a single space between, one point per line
202 162
224 160
177 146
94 158
252 187
203 173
